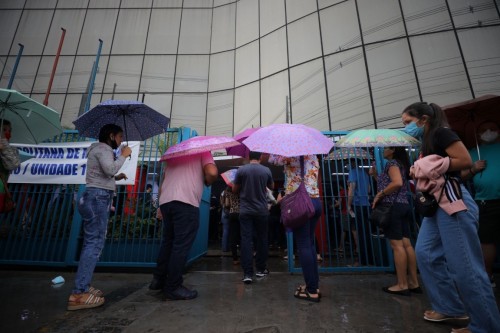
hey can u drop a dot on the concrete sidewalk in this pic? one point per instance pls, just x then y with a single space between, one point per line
350 303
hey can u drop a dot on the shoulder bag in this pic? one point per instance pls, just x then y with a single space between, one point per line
426 204
297 207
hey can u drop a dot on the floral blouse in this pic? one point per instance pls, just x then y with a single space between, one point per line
383 180
292 173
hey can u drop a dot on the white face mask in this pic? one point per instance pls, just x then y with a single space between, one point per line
489 136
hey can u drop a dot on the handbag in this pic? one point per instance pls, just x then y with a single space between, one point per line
381 215
6 202
426 204
297 207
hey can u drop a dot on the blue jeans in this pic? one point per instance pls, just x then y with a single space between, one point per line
94 207
224 219
451 266
180 226
304 236
249 223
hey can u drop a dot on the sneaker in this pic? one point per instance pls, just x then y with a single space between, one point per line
247 279
262 273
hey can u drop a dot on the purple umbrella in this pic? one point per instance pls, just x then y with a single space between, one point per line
241 150
198 144
289 140
229 176
138 120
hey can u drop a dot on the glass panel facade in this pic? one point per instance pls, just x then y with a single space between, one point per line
158 74
440 69
220 113
221 66
272 15
192 74
348 93
339 30
392 79
380 20
308 98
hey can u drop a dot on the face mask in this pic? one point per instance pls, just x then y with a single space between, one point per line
414 130
114 144
7 135
489 136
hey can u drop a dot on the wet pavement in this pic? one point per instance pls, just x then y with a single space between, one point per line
350 303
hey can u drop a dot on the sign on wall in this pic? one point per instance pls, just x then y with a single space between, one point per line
64 163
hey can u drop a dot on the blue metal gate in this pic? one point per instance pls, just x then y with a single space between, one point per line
45 228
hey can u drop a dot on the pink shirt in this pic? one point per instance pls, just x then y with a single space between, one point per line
184 179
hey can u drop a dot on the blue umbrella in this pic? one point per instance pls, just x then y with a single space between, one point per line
139 121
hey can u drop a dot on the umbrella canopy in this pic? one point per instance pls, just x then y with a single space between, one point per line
347 153
31 122
229 176
289 140
377 138
138 121
198 144
241 150
464 117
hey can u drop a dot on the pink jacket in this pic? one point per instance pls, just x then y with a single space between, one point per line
429 173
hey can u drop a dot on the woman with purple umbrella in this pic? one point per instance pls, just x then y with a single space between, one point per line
94 207
304 235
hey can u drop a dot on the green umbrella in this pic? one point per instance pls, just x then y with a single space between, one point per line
31 121
377 138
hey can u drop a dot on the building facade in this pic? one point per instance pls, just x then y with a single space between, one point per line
220 66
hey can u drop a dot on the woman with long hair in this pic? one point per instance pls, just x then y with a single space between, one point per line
392 188
448 249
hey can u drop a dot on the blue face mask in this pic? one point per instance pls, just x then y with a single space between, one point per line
413 130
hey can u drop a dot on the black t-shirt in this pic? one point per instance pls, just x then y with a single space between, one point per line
443 138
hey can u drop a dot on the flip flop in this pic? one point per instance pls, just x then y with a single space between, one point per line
304 295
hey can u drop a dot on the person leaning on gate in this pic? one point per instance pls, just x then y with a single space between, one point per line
448 249
250 183
180 196
94 207
487 190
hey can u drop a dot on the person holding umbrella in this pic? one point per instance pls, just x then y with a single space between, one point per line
9 156
448 249
487 189
304 234
180 196
94 207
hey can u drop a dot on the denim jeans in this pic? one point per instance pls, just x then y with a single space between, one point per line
180 226
304 236
94 207
248 224
451 266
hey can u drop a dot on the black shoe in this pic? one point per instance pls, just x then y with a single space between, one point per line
404 292
156 284
181 293
263 273
247 279
417 290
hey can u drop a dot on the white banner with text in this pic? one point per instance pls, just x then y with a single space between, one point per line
64 163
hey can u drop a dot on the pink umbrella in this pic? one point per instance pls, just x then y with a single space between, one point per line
198 144
241 150
289 140
229 176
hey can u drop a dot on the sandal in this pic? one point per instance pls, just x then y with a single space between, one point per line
431 315
95 292
302 288
306 296
84 301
